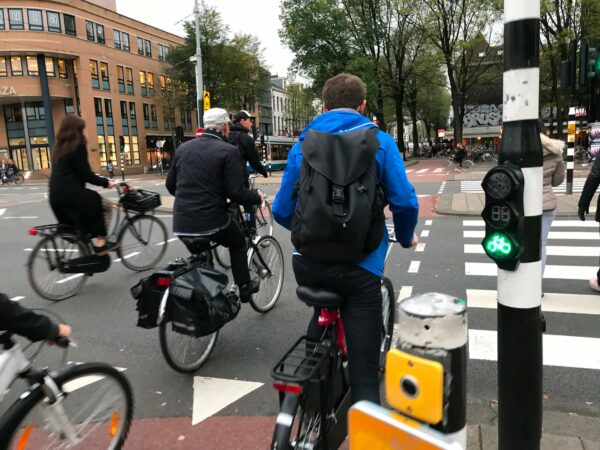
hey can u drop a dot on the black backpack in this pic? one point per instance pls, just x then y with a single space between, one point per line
339 213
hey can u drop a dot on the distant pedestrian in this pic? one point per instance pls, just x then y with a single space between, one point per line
459 155
111 169
160 165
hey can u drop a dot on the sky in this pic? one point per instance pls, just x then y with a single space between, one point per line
258 17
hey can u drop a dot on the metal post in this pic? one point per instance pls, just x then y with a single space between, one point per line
122 168
431 327
199 80
520 322
571 133
41 60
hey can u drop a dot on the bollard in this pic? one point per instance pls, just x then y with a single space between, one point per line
426 374
572 132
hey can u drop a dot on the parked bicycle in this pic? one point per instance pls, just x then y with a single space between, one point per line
187 352
86 405
63 259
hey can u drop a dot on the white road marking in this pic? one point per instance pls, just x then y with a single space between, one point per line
422 171
168 240
405 292
559 272
163 215
438 170
388 251
559 351
555 224
17 298
425 233
420 247
74 250
442 187
410 170
428 222
566 235
414 266
72 277
22 217
211 395
552 302
81 382
551 250
2 211
131 255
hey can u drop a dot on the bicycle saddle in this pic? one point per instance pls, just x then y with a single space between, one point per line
320 297
196 244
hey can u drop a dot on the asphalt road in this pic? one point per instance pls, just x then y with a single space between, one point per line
103 317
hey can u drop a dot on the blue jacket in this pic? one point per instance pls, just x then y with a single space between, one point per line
399 193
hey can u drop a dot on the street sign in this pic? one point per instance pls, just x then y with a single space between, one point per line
374 427
441 133
199 132
206 100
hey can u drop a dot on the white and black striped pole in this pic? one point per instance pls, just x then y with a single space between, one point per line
520 321
571 133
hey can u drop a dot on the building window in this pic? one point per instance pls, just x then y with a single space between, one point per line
124 118
50 67
150 83
53 21
1 19
69 108
125 41
163 83
121 79
36 21
15 19
166 121
3 67
147 47
32 66
143 83
16 66
94 74
89 29
153 116
62 68
132 111
100 34
69 21
99 118
140 46
146 108
117 39
129 73
35 111
163 52
104 76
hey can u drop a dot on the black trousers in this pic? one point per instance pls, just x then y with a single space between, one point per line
361 317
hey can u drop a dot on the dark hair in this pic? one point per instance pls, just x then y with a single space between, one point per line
542 126
344 91
70 136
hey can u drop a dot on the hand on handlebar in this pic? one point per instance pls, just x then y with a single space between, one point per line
262 196
110 185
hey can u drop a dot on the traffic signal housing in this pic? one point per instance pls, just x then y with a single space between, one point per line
122 143
503 215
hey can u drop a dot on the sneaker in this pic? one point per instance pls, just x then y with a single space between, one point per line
106 248
594 284
247 289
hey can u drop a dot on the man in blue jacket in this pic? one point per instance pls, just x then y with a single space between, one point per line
344 99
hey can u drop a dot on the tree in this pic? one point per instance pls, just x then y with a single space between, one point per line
174 96
300 108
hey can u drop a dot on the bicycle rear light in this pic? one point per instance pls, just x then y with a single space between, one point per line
288 388
33 232
163 281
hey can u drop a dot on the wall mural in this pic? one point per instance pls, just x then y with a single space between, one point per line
482 116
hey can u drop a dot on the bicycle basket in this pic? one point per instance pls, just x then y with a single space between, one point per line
140 200
302 362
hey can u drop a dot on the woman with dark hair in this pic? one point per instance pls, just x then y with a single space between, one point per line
71 202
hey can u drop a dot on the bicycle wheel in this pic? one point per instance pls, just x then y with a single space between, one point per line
143 243
297 427
43 266
95 412
185 353
389 318
264 220
18 179
266 260
467 163
222 256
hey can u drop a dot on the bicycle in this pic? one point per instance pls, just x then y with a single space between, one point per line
86 405
64 258
467 163
264 227
11 177
187 353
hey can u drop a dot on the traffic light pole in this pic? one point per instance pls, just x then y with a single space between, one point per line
571 133
519 291
199 79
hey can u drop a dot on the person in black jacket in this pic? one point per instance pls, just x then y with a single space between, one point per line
589 189
24 322
71 202
204 173
238 136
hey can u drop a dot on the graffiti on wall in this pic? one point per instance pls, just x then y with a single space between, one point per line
483 116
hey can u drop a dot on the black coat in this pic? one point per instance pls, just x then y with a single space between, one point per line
589 189
239 137
204 173
22 321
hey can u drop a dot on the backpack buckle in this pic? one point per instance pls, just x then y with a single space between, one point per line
337 194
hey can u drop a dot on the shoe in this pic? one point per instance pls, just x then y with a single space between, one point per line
247 289
106 248
594 284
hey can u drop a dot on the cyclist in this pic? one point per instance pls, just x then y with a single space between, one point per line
206 172
68 194
36 327
238 136
344 98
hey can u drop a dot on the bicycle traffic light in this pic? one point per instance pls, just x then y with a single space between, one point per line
122 143
503 215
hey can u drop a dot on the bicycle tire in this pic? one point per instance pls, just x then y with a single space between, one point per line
58 279
171 358
142 245
268 295
264 224
76 381
18 179
291 432
222 257
389 318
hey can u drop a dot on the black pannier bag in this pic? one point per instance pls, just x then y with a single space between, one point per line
140 200
199 303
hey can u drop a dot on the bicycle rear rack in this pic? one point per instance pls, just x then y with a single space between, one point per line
302 362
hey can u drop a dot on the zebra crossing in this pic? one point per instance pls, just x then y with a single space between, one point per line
474 186
428 171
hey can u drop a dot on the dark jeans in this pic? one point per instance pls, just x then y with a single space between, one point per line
250 219
361 316
233 238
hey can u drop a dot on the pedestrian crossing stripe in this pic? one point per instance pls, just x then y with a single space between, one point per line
555 224
474 186
438 170
560 272
567 235
551 250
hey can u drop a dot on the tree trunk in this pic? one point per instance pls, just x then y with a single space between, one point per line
380 115
398 100
412 105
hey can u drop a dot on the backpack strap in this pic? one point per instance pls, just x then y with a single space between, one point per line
337 200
